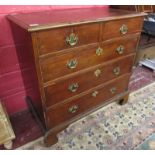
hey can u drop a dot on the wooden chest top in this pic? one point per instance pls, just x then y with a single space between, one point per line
58 18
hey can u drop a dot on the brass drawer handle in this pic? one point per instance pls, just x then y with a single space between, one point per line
72 63
97 72
113 90
72 39
99 51
73 109
95 93
123 29
73 87
120 49
117 70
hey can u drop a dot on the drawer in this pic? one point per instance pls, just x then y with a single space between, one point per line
88 56
117 28
82 82
62 38
64 112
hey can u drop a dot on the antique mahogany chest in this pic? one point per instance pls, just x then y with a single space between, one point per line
83 60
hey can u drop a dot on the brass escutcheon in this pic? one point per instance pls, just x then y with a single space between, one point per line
73 109
120 49
113 90
97 72
99 51
95 93
123 29
116 70
73 87
72 63
72 39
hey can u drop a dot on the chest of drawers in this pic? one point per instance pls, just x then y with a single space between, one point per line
83 60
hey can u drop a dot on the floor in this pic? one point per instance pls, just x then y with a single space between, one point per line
26 129
141 77
149 143
144 43
113 127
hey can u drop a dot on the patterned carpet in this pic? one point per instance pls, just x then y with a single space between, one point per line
148 144
130 126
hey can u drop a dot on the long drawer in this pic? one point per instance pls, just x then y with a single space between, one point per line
64 89
88 56
51 41
64 112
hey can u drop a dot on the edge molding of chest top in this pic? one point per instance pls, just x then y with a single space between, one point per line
81 60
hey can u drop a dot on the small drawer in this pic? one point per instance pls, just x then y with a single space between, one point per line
85 57
79 83
62 38
121 27
64 112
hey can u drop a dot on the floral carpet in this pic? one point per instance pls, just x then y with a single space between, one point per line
113 127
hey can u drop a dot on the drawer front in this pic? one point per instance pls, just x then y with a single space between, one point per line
62 38
121 27
82 58
65 112
82 82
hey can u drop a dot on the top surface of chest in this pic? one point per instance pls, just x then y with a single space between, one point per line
59 18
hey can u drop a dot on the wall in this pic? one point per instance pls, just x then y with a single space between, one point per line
12 87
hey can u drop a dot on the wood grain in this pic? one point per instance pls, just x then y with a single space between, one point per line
54 40
53 67
86 80
36 21
60 113
112 28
